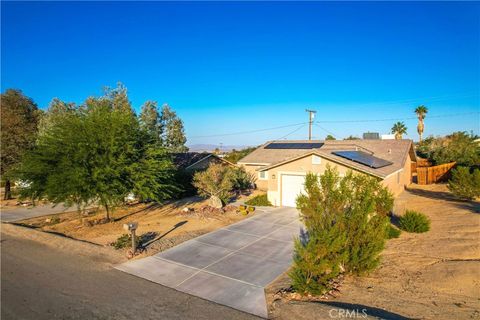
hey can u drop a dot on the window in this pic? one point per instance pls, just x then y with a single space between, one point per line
262 175
316 159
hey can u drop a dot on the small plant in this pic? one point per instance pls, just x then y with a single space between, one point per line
465 184
414 221
260 200
393 232
123 241
55 220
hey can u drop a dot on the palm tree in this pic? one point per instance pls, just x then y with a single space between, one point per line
421 112
399 129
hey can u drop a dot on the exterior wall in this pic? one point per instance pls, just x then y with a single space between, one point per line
300 167
397 181
252 169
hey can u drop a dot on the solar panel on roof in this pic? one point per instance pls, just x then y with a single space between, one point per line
363 158
294 145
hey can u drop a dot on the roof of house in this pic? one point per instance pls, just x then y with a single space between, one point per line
395 151
270 156
184 160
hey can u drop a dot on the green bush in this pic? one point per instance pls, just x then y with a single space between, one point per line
242 179
260 200
124 241
414 221
465 184
393 232
317 260
460 147
346 223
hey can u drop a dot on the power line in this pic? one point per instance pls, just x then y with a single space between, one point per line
398 119
335 121
250 131
326 130
292 132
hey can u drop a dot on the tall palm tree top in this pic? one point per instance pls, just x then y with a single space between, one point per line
421 111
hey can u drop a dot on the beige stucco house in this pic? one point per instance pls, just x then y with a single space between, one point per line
281 166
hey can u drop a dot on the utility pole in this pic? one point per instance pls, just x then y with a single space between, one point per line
311 116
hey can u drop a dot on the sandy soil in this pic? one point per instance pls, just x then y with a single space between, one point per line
435 275
169 223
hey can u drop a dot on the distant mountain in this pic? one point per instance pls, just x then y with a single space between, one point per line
212 147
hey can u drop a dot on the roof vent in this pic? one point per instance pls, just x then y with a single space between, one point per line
389 151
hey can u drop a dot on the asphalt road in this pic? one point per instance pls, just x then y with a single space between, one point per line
41 282
20 213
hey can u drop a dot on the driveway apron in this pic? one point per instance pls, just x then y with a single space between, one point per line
232 265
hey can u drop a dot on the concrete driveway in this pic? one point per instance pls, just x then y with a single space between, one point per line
230 266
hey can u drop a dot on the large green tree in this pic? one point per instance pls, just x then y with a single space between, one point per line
19 123
173 134
98 153
150 121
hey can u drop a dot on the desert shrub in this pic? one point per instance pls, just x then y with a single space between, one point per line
465 184
393 232
260 200
235 155
346 223
460 147
217 181
242 179
317 260
124 241
413 221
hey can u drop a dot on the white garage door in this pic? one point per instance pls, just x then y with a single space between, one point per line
292 186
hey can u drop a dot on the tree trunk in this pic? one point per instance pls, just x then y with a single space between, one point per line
108 212
8 191
420 128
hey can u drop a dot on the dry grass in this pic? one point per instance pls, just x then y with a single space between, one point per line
433 275
165 221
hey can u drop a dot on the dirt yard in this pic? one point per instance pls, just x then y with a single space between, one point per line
434 275
164 225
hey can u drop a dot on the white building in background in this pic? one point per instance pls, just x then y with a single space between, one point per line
388 136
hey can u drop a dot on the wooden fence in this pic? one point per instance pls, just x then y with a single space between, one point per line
420 163
429 175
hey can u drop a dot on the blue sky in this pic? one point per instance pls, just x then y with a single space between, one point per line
235 67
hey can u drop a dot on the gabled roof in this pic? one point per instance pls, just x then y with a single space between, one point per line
395 151
184 160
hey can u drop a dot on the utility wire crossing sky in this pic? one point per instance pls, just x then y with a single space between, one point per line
232 69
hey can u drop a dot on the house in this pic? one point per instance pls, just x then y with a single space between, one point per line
281 166
194 161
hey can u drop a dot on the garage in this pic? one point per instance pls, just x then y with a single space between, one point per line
292 186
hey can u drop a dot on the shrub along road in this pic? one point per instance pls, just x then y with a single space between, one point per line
65 279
